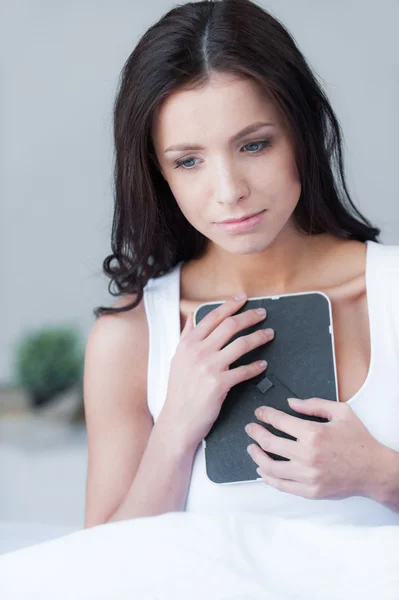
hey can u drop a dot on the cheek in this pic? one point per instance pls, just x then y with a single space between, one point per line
190 196
284 186
189 206
288 191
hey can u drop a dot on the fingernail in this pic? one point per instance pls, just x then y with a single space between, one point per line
293 400
248 429
240 296
258 412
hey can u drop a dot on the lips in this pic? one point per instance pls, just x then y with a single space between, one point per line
243 225
240 219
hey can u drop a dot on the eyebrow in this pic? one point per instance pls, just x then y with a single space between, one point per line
246 131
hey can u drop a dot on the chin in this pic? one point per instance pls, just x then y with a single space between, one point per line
246 245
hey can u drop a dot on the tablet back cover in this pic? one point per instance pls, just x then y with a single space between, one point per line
301 364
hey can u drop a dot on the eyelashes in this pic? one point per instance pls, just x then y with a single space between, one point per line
180 164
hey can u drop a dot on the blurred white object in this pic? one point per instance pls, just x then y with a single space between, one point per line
177 556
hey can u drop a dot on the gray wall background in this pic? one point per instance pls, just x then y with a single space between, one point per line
60 64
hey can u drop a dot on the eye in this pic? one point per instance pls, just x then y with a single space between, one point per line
183 163
264 144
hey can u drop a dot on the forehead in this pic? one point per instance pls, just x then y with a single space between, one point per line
225 103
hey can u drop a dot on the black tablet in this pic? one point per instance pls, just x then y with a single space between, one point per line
301 364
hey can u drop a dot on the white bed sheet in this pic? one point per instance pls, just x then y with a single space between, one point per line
191 556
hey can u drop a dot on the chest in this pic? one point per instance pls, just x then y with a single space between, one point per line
351 340
352 344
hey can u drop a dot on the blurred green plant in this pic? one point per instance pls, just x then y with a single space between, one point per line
49 361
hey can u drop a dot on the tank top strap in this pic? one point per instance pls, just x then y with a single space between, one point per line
383 293
161 298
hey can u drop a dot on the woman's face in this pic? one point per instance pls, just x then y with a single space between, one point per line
225 178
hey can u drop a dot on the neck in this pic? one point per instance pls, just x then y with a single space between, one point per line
290 264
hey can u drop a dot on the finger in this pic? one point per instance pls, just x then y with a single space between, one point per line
316 407
233 351
243 373
286 485
297 428
272 443
188 326
217 316
233 325
282 469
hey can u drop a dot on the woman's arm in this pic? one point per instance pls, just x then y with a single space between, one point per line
134 468
162 479
383 486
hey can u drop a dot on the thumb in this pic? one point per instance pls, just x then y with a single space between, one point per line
314 407
188 326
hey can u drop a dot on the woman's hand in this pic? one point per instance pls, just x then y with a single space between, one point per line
200 377
328 460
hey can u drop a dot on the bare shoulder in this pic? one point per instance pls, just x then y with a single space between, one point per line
117 350
120 326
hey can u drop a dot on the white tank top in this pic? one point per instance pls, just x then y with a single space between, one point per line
376 403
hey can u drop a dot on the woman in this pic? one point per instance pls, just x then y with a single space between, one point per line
220 118
154 384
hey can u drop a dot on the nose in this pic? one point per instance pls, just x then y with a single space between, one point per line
230 185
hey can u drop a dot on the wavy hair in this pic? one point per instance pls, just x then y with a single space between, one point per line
181 51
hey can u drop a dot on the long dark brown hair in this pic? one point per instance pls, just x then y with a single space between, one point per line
191 42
